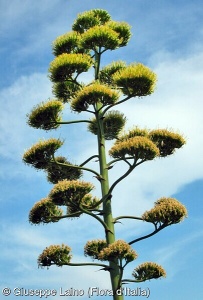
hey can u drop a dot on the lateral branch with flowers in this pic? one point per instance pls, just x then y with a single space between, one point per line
94 33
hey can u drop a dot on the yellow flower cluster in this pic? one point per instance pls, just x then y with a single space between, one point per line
136 131
135 80
57 172
40 154
147 271
65 65
67 191
94 247
90 19
105 75
55 255
66 43
44 211
118 250
46 115
92 94
113 124
139 147
123 30
100 36
167 211
166 141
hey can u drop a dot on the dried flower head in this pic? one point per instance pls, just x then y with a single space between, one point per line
67 191
147 271
120 250
40 154
139 147
58 255
167 211
45 211
94 247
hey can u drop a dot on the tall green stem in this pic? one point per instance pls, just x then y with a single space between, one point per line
107 210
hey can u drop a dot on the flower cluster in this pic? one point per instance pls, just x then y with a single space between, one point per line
65 90
100 36
40 154
98 30
62 169
88 202
112 124
105 75
166 211
65 65
67 43
135 80
134 132
45 211
94 247
139 147
118 250
123 30
166 141
67 191
46 115
147 271
55 255
89 19
92 94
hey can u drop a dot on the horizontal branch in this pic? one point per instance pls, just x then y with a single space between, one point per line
127 217
104 267
130 280
73 122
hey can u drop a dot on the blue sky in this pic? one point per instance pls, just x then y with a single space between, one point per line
167 37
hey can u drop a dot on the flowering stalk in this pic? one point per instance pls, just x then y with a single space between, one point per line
93 33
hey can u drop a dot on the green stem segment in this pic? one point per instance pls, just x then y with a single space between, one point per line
114 269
